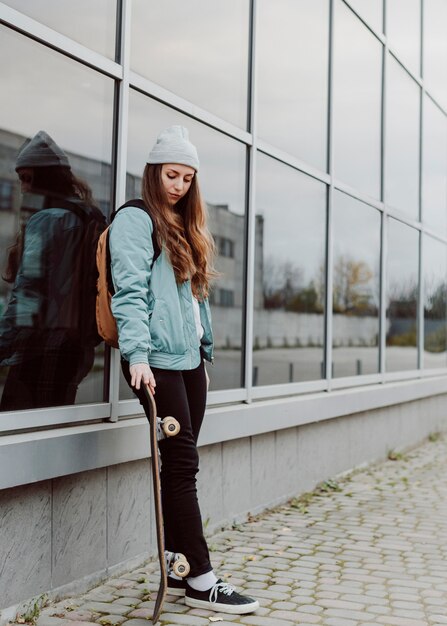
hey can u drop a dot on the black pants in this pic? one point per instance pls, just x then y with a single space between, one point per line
181 394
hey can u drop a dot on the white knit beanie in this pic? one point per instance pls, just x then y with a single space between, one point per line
173 146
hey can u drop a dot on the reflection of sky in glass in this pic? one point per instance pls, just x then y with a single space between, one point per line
434 168
357 103
371 11
197 49
403 25
294 209
435 48
222 160
90 22
402 140
43 90
292 55
357 238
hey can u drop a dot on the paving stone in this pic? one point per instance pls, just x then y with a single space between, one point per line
126 602
286 606
257 620
295 615
175 618
47 620
112 620
80 623
104 607
79 616
390 620
349 614
129 593
141 613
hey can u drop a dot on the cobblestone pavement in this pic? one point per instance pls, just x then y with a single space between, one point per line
369 549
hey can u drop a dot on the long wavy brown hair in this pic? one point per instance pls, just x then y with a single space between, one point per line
182 231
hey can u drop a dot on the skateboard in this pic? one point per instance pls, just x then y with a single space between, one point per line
159 429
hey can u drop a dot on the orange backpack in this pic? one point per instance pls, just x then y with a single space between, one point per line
105 321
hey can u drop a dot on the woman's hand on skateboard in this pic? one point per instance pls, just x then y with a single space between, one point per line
141 372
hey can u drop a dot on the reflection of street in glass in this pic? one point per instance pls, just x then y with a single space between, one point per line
47 330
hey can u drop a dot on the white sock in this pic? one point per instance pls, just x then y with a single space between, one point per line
202 582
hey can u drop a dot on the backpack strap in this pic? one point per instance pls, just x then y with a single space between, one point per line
137 203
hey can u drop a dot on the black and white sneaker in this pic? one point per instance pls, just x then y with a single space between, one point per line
176 587
222 597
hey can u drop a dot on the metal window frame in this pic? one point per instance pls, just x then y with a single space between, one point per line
53 39
125 79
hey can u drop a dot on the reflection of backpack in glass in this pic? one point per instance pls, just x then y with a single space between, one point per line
94 224
105 321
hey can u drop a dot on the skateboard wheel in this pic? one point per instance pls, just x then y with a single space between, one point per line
171 426
181 566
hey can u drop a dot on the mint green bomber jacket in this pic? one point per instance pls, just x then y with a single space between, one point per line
154 314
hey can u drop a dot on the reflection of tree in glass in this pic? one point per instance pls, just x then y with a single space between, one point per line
435 313
352 293
402 298
284 289
402 313
436 303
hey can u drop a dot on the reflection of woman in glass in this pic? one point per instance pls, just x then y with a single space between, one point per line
45 337
164 330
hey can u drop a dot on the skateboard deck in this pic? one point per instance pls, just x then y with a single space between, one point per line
155 462
167 427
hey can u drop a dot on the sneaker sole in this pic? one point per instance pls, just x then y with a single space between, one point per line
176 592
234 609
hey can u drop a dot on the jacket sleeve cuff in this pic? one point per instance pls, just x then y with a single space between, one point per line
139 356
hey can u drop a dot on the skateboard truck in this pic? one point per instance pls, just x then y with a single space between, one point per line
177 564
167 427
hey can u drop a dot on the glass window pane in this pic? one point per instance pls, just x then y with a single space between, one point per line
435 48
435 303
222 182
198 50
402 140
356 287
357 103
434 168
403 24
44 91
402 297
89 22
289 275
371 11
292 95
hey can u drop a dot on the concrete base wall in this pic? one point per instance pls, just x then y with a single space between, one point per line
65 535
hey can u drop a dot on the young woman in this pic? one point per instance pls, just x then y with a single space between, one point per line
164 330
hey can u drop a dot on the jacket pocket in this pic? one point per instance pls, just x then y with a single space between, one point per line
167 334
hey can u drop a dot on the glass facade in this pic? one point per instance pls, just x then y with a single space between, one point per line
323 168
402 143
357 94
287 31
355 288
289 289
402 280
